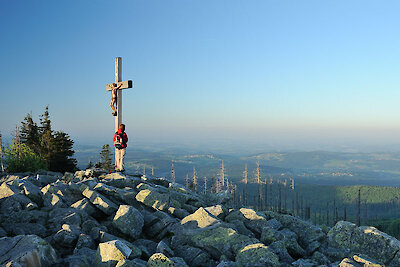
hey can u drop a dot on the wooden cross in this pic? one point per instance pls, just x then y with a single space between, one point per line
120 85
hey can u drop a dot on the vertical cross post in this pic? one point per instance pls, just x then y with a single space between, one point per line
119 84
118 78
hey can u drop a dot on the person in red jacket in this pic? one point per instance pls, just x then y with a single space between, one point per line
120 143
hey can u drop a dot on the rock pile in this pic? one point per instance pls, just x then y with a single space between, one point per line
95 219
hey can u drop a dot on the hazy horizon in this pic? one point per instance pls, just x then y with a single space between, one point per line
306 75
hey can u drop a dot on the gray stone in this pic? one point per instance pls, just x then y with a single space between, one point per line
85 240
304 263
221 197
274 224
349 262
53 201
178 212
120 181
164 249
320 258
241 228
293 247
85 205
364 240
30 190
129 221
17 228
147 247
135 262
111 252
179 262
82 257
159 181
26 250
67 236
135 250
201 218
194 256
270 235
306 232
2 232
10 205
160 260
253 220
279 248
218 211
256 255
226 263
153 199
100 201
366 261
220 241
60 216
45 179
159 224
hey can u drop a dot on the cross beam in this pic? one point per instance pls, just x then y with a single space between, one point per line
124 85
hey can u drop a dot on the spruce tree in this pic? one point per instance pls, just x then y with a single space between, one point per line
61 152
105 158
30 133
46 137
90 165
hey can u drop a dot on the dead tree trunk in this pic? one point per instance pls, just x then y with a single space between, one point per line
205 185
266 193
359 207
334 210
173 173
280 197
285 196
327 213
245 186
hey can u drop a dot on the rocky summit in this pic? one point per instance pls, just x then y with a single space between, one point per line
91 218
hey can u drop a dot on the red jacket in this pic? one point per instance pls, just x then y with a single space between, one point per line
124 138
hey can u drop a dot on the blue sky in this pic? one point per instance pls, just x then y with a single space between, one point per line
272 72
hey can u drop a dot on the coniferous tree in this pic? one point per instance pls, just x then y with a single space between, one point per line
61 153
46 136
30 134
90 165
106 158
55 148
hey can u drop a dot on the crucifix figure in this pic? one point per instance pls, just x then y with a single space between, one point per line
116 94
114 97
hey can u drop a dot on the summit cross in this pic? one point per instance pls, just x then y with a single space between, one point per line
118 85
